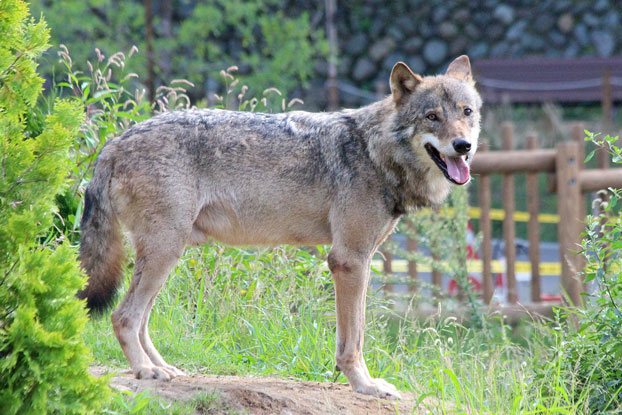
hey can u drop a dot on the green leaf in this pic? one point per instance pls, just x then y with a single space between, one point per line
590 156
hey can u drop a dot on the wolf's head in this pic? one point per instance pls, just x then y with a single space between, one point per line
442 116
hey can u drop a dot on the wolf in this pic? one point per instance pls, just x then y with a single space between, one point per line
342 178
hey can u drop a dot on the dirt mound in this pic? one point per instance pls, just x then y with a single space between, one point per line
267 396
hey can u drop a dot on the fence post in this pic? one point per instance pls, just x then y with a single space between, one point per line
578 136
485 227
569 195
533 227
509 231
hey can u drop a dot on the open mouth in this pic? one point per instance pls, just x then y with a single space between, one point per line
455 169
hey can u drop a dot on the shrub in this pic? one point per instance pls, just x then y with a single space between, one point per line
43 360
443 233
277 45
595 349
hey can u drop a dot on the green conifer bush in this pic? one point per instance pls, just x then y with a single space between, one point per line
43 359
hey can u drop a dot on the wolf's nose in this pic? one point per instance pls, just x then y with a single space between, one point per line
462 146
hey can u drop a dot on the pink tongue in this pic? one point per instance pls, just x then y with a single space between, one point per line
457 169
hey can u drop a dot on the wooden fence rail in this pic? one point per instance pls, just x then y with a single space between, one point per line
570 182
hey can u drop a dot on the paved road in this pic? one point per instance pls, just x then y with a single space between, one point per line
549 252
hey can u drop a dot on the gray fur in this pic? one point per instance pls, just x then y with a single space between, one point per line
342 178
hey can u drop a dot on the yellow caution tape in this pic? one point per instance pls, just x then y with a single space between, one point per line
499 214
476 265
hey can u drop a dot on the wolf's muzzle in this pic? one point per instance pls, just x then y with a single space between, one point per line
461 146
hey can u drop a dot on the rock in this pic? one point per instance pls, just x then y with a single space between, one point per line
516 31
481 18
479 50
557 39
367 10
416 64
349 100
435 51
499 50
561 6
406 24
581 34
391 60
364 69
344 65
516 50
601 6
396 33
426 30
462 15
357 44
532 43
458 46
494 32
591 20
603 42
612 20
381 48
504 13
413 45
376 29
472 31
321 67
439 14
447 30
565 22
571 51
544 23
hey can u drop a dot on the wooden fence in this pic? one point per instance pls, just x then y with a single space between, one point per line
567 178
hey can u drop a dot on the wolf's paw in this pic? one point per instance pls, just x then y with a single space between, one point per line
379 388
173 371
153 372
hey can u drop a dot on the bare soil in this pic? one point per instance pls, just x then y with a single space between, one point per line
266 396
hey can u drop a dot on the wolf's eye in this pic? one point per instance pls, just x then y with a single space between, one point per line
467 111
432 117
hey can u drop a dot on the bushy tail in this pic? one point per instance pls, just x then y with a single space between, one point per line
101 244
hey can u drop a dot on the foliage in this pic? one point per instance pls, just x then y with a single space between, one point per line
271 312
441 235
113 104
597 345
43 358
273 48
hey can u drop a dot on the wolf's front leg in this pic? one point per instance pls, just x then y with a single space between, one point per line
351 274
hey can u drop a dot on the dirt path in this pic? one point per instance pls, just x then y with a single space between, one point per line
267 396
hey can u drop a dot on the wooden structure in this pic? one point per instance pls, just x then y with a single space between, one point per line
571 182
542 79
564 163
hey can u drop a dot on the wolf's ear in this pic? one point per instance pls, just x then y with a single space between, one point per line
403 81
460 68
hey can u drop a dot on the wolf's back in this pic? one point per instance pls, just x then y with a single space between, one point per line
101 245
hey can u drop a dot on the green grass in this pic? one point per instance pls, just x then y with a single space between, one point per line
271 312
143 403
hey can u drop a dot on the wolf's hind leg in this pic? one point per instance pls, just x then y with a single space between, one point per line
147 344
155 257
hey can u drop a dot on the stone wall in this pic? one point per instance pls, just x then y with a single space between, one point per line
374 34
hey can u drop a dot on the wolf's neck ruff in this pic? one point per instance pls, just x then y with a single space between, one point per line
389 144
